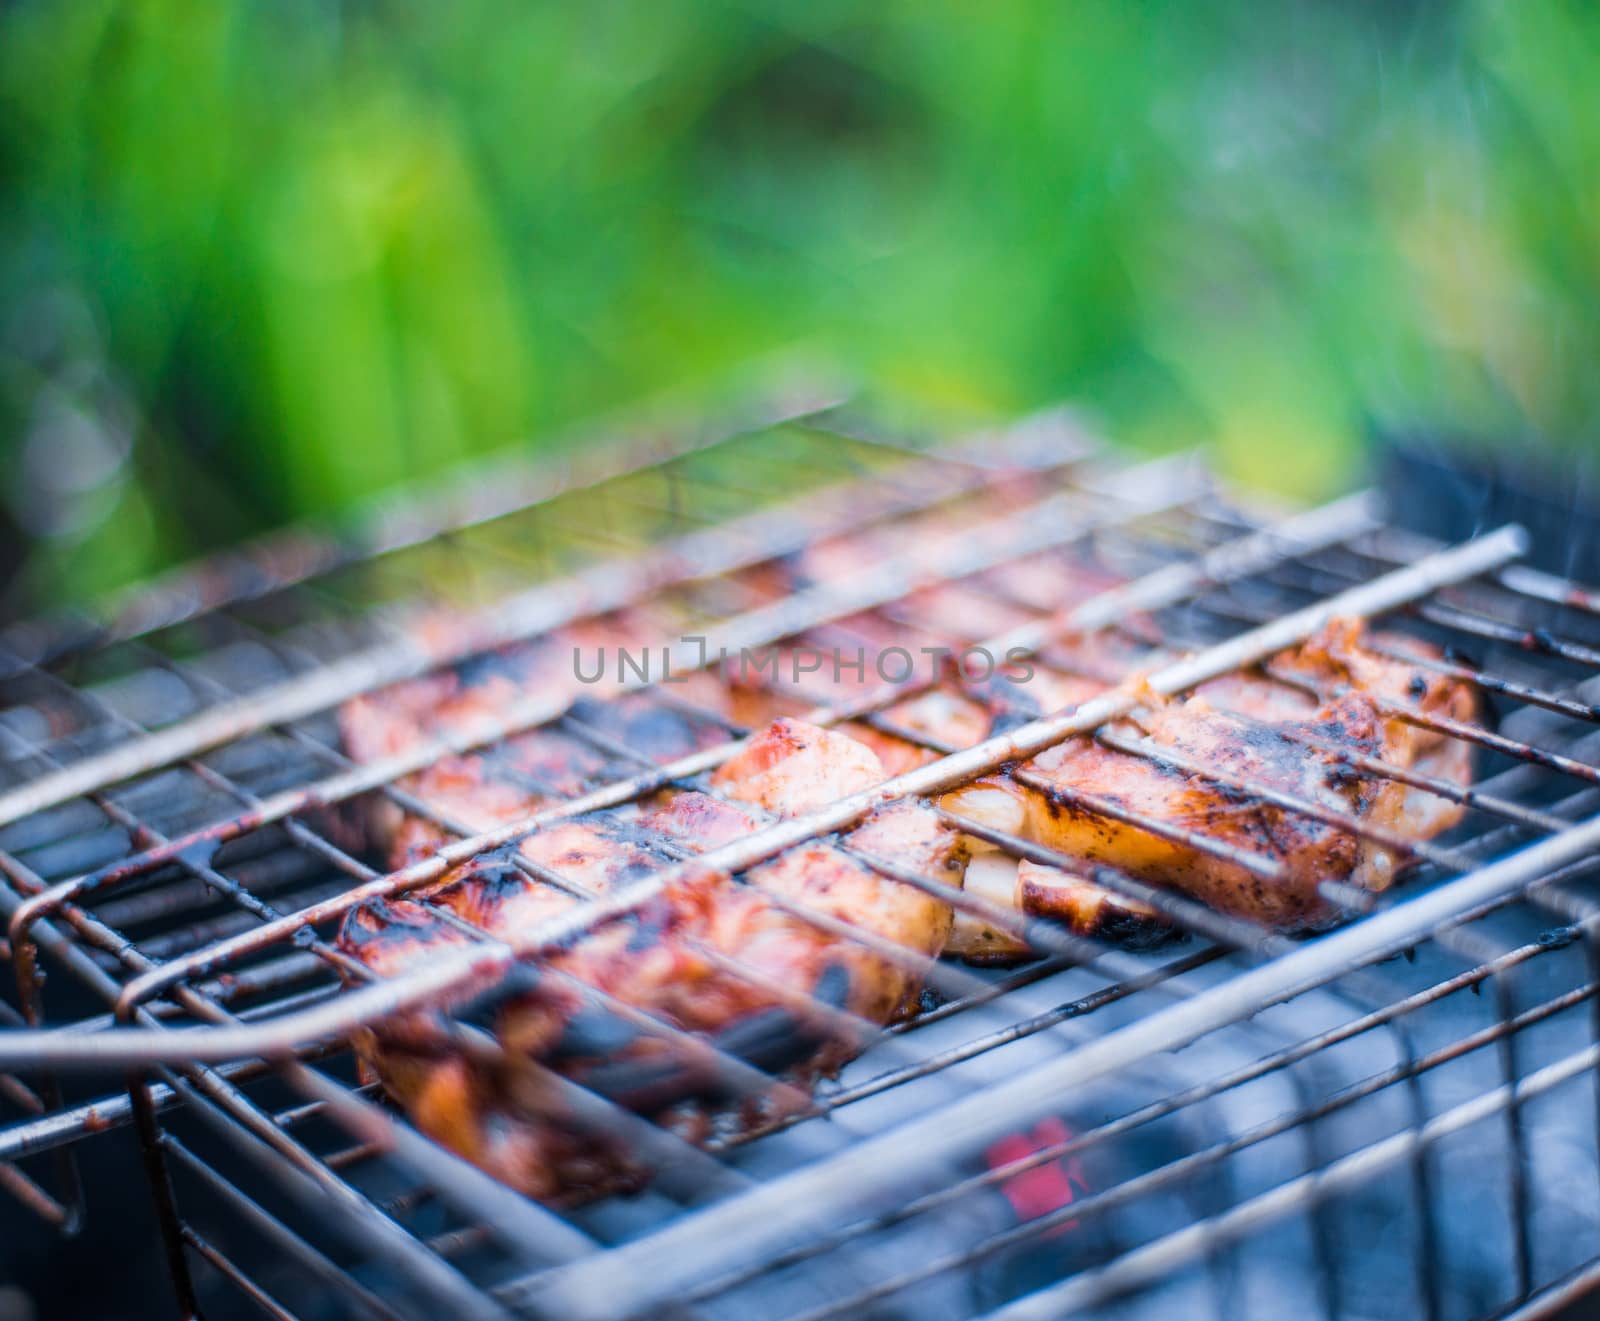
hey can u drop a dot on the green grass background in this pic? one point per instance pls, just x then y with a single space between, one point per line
258 260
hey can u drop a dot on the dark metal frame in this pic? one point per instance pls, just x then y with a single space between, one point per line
210 1013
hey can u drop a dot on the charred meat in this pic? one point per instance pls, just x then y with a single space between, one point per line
761 966
764 966
1302 727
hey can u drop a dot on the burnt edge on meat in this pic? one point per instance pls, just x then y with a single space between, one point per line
566 1018
515 1115
1287 726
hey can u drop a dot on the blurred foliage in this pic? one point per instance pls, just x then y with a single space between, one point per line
258 260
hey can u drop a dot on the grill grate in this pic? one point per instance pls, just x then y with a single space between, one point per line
1196 1127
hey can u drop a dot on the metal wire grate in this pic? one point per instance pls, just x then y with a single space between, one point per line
1238 1120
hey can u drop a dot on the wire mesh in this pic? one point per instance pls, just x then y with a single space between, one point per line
1205 1125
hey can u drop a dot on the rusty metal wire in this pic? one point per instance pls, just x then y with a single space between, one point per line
204 941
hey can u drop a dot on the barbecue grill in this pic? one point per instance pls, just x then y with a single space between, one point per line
1397 1118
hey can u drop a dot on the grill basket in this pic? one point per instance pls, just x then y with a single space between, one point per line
1398 1118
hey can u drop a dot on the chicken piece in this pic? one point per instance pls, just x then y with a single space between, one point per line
1087 909
994 874
963 612
695 822
466 1105
503 781
507 781
1308 851
1337 658
990 875
959 713
739 698
1285 736
397 718
513 778
1342 657
672 957
1051 581
1075 902
793 768
846 659
946 714
1108 656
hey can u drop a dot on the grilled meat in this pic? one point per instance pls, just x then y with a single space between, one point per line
965 708
1290 730
1055 804
1087 909
734 963
1395 673
512 778
761 966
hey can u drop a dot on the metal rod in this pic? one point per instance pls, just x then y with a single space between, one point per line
1302 1120
1390 1015
36 1199
234 1275
477 494
409 652
1154 1260
884 1170
1297 533
430 1277
1558 1297
211 1044
1153 487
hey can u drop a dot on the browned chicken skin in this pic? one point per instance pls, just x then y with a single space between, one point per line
683 958
1058 808
677 957
1288 729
